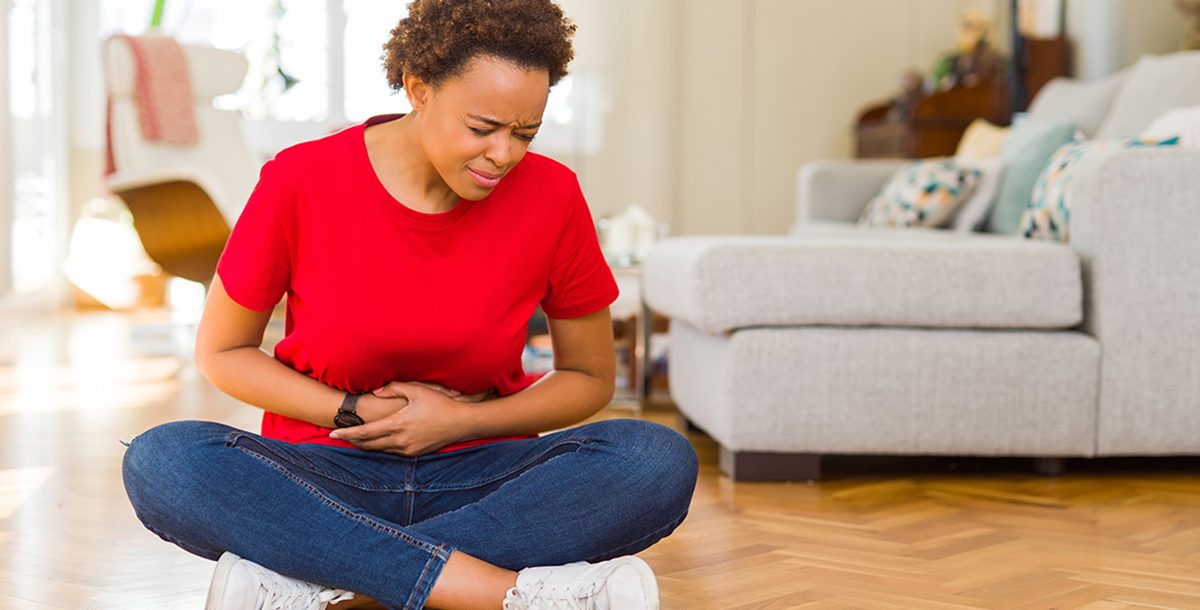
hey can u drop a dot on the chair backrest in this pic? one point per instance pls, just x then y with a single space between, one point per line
222 155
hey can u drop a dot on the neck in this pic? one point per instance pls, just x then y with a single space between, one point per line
415 173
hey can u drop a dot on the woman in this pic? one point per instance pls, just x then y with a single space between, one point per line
399 459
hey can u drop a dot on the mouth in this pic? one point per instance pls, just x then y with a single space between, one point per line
485 179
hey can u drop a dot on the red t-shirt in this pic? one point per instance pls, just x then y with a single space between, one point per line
379 292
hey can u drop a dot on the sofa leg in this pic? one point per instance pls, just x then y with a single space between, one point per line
1049 467
753 466
687 425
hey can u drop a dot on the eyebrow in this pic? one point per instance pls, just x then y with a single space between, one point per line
496 123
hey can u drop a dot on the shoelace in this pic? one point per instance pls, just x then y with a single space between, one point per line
554 598
284 593
297 596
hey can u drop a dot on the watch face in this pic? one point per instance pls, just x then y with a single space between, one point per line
345 420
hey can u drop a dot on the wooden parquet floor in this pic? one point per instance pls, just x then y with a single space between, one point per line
888 534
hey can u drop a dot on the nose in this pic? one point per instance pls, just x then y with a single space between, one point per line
499 150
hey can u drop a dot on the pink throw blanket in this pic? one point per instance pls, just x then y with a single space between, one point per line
162 90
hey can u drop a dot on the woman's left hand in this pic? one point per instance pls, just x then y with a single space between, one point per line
430 421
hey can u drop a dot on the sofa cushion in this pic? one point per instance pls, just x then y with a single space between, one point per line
1081 103
828 274
822 390
1156 84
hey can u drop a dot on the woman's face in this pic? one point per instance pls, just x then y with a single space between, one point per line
477 126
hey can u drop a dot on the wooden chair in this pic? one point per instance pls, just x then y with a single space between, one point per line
183 199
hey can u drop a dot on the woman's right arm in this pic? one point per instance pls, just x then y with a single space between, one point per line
229 354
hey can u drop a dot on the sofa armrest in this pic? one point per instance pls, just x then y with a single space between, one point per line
838 190
1135 222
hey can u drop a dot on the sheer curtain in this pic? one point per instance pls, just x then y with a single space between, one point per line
32 151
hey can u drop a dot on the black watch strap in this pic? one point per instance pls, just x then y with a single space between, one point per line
347 414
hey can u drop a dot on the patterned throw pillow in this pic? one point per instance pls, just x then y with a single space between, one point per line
1182 122
1049 212
924 193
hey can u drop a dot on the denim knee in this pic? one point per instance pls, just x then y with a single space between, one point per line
162 458
658 455
161 444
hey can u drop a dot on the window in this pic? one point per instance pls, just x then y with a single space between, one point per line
369 25
317 66
31 205
309 61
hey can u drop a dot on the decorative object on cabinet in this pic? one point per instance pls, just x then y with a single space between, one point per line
1191 24
969 83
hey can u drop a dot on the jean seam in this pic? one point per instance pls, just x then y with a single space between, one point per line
339 507
231 439
668 528
410 470
234 435
409 501
437 555
488 481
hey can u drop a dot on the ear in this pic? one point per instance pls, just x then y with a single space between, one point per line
417 90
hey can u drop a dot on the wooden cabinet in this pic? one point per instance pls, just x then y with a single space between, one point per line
934 125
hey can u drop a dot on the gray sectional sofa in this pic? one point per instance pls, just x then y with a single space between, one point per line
839 339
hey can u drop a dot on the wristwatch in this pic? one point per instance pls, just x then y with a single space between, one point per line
347 413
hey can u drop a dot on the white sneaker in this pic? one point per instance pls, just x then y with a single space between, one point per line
624 583
241 584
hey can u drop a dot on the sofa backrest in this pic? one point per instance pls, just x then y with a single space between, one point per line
1125 103
1084 104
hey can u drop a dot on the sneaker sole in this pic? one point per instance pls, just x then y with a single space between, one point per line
649 584
220 581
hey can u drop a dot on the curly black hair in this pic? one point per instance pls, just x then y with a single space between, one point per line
439 37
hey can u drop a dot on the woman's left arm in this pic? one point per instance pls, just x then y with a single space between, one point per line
580 384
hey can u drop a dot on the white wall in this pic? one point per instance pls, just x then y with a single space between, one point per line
630 45
86 105
771 84
6 175
1108 35
713 111
768 85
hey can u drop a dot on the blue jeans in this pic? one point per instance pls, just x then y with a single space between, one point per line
384 525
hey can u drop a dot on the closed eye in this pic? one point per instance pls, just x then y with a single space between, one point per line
488 132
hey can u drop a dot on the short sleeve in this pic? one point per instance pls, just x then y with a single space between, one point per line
581 281
256 265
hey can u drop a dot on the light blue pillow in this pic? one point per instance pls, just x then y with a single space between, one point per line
1025 154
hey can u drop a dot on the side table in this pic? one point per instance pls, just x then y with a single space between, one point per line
640 324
